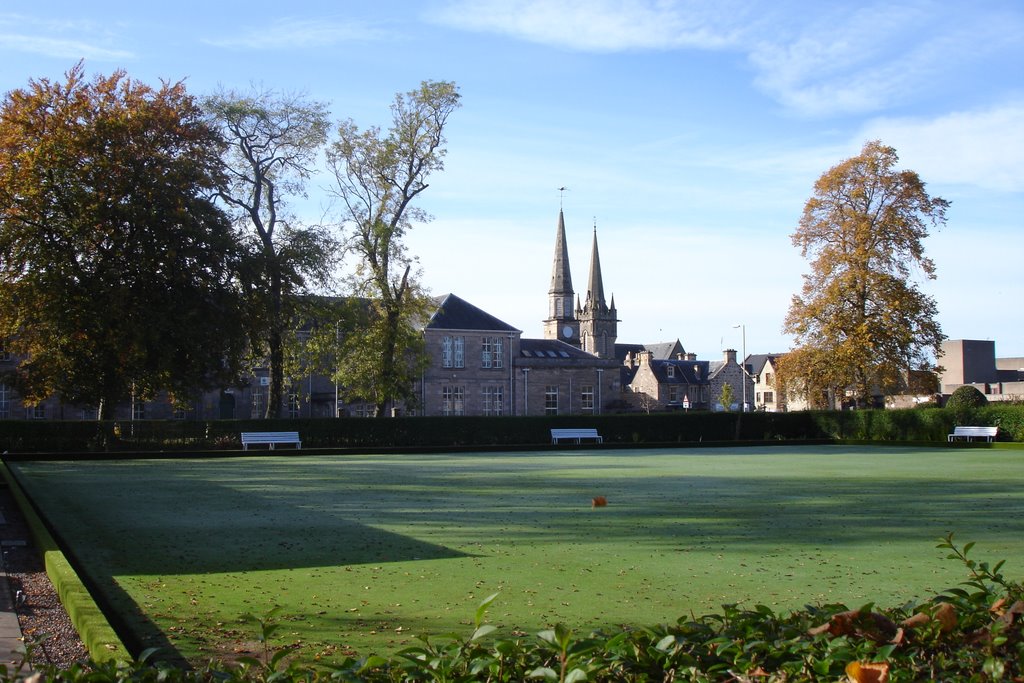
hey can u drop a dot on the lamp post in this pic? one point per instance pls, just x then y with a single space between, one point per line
743 361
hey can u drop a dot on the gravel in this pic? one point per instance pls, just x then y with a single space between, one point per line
49 635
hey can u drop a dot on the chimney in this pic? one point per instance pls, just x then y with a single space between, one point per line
730 356
691 356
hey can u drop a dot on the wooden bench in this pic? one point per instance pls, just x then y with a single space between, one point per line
270 439
969 433
575 435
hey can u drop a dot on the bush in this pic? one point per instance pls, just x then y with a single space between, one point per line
966 398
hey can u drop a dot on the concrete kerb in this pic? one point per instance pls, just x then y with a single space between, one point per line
95 631
12 641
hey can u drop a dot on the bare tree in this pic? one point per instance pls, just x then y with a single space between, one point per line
272 142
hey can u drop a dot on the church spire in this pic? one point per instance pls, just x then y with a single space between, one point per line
561 322
598 321
595 286
561 278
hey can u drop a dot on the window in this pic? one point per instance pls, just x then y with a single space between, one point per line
447 356
453 352
769 397
492 353
37 412
453 400
494 400
293 405
5 401
673 393
551 400
768 379
587 398
670 371
259 401
138 410
460 352
180 413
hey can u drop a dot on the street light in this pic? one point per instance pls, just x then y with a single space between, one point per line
743 362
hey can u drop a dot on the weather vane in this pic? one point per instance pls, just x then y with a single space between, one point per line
561 194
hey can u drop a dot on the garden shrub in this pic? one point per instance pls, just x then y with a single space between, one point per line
964 402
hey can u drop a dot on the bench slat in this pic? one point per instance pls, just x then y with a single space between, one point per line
575 434
967 433
270 438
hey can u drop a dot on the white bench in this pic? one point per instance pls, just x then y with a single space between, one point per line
270 439
969 433
575 435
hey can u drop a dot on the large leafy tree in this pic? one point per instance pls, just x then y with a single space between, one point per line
377 176
272 145
115 263
861 321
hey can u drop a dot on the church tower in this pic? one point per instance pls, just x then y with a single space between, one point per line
598 321
561 322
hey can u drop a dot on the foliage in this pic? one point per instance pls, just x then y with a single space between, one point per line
971 632
106 226
725 397
860 322
410 433
377 177
272 142
966 398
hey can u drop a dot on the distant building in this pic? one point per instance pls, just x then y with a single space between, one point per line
973 362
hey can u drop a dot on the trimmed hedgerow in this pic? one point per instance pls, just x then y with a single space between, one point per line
449 433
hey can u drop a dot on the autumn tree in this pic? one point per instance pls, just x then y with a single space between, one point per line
861 321
377 177
115 263
725 397
272 143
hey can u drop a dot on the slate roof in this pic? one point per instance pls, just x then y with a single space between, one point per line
454 313
552 349
756 361
659 351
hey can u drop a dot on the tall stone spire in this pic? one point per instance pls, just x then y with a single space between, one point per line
561 322
561 277
595 286
598 321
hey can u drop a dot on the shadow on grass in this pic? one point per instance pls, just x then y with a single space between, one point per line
158 517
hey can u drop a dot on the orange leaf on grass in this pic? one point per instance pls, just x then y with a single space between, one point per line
867 672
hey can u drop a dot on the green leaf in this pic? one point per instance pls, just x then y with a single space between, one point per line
484 630
481 610
544 672
575 676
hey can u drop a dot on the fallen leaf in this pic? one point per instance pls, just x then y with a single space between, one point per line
867 672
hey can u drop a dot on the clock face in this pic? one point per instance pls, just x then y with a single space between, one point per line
566 331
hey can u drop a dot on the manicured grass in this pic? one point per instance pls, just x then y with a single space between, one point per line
362 552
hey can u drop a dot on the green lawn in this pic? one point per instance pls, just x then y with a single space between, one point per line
363 552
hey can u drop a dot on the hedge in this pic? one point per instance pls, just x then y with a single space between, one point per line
917 424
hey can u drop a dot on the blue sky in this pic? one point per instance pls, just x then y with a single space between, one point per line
690 133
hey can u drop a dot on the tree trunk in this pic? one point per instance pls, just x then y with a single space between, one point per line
275 343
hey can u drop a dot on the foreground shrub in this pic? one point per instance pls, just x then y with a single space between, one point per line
974 632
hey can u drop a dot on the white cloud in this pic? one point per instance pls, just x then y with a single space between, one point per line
983 148
63 49
21 33
598 25
301 33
